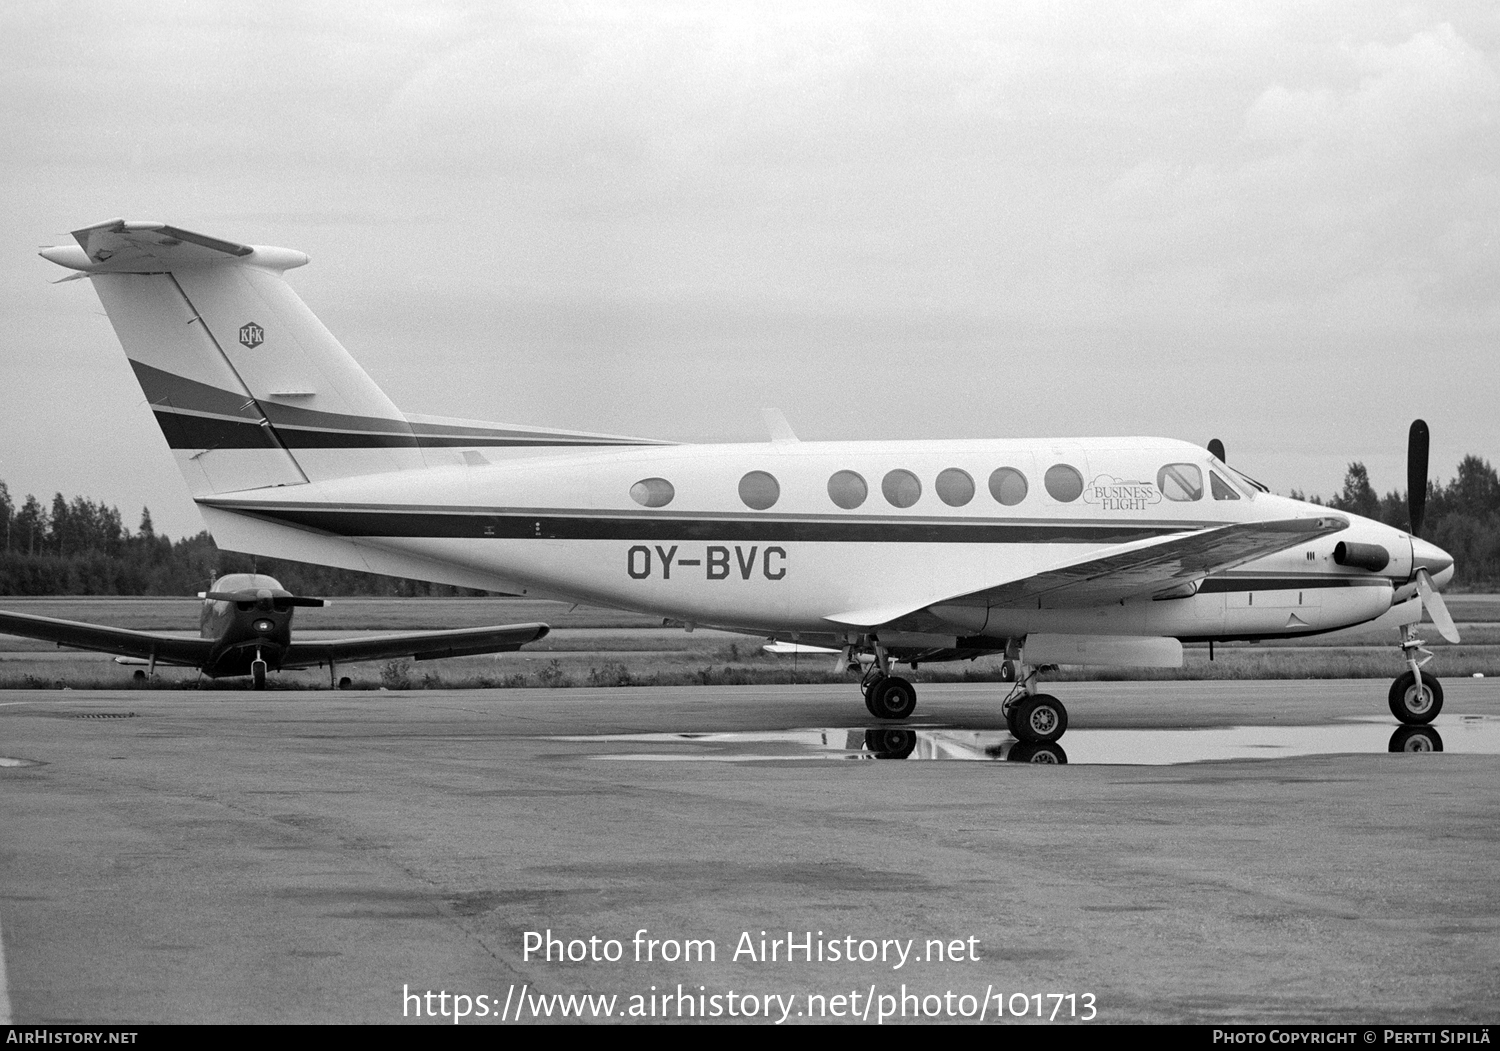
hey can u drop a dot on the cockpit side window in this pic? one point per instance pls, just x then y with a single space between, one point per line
1180 481
1222 490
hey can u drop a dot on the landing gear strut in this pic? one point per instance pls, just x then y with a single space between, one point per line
258 672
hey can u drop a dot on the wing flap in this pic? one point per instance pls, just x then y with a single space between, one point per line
166 649
418 645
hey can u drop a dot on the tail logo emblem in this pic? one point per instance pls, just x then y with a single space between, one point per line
252 335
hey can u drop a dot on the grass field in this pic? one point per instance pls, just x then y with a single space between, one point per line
600 647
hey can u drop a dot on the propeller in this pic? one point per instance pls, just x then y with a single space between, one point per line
1417 444
255 596
1416 475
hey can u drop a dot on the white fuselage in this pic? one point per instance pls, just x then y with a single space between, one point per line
567 525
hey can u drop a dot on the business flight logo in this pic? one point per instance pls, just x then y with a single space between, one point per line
252 335
1120 494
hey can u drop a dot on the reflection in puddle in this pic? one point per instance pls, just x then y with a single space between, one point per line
1475 735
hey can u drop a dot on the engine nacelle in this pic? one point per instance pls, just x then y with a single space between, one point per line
1373 557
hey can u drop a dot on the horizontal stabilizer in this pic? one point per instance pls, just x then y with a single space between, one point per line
120 247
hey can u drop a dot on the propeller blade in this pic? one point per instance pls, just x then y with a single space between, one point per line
1416 475
1436 607
1217 448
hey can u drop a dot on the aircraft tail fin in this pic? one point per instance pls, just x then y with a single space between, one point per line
247 385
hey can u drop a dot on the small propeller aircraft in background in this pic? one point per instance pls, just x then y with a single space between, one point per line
1048 551
245 628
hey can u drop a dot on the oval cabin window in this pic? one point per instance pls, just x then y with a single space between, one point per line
652 492
1008 486
1063 483
847 489
901 488
759 490
954 487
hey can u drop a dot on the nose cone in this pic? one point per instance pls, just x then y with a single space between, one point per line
1437 562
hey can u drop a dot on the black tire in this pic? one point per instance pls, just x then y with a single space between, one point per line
1039 719
346 683
258 674
893 698
1416 739
1414 707
1042 754
889 742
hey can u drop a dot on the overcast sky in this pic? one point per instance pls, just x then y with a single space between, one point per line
1275 223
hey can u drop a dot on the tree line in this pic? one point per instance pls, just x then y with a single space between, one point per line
80 547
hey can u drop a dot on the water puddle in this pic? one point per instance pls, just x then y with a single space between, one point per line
1468 734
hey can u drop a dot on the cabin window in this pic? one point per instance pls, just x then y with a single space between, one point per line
901 488
1180 481
847 489
652 492
1222 490
1008 486
759 490
954 487
1063 482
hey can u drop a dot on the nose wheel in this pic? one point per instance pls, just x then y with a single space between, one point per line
1416 703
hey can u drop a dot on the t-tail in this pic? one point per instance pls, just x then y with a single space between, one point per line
249 388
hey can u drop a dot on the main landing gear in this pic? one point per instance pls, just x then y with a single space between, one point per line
887 696
1415 698
1032 717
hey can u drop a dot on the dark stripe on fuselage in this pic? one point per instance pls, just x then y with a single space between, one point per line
440 525
189 431
196 415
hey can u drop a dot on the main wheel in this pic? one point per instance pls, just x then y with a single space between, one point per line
1413 706
893 698
1038 719
868 688
258 674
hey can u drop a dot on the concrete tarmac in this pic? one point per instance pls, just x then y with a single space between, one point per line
304 857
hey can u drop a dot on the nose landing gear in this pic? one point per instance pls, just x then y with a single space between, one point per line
1415 698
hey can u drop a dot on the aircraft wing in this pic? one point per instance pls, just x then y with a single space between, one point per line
419 645
1127 571
167 649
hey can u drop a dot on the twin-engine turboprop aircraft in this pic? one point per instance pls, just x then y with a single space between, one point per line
245 628
1070 550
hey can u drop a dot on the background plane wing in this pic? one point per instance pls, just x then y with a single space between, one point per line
419 645
167 649
1128 571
